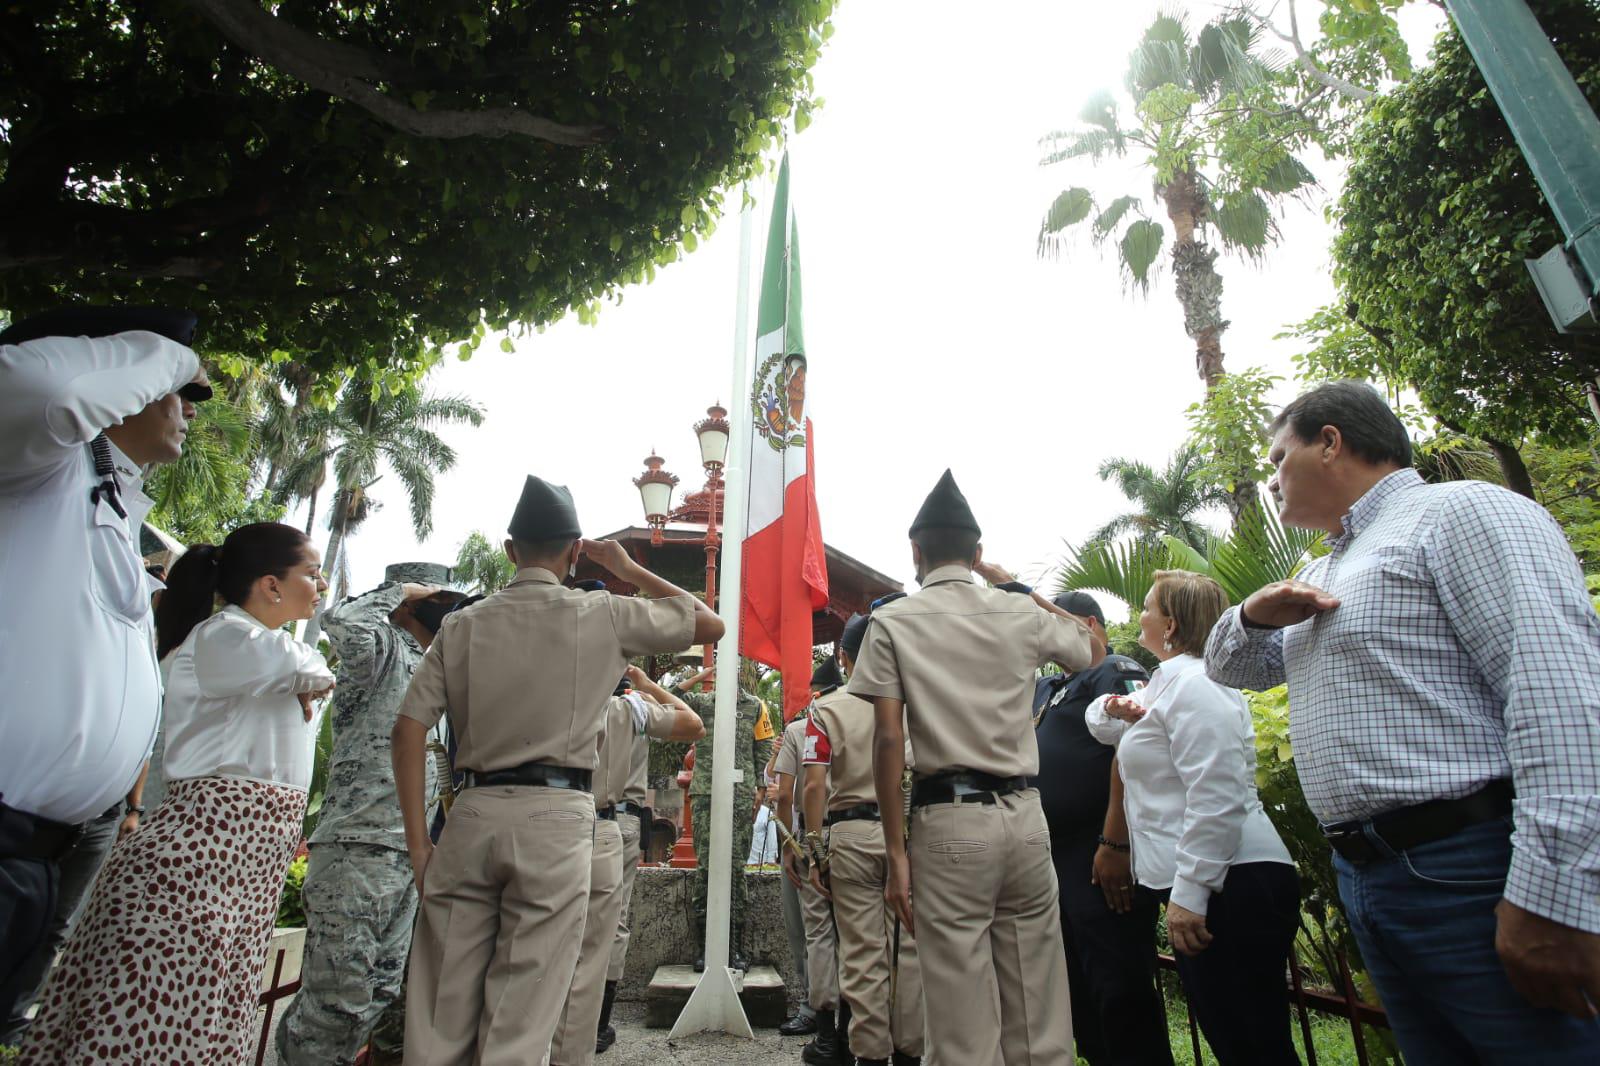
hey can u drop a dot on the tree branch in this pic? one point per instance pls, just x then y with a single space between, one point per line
348 73
1309 65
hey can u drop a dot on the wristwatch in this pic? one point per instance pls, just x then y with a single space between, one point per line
132 808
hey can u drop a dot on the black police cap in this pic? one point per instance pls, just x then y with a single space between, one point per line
175 324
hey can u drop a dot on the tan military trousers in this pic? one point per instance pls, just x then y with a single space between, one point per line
994 973
822 956
574 1040
499 927
857 871
629 823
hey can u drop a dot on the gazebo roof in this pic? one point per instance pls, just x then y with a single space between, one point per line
680 558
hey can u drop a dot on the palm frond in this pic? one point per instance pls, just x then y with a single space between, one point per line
1259 551
1245 224
1126 571
1068 209
1096 144
1140 246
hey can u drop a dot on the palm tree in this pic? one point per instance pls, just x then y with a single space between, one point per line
1217 160
1256 552
1167 502
372 424
483 565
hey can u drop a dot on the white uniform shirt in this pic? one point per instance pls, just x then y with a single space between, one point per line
76 661
231 706
1188 772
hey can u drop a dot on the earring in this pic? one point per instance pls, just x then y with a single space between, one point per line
277 599
1166 645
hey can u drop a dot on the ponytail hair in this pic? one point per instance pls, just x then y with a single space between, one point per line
206 572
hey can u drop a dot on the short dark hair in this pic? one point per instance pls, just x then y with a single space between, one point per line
946 544
1371 430
543 550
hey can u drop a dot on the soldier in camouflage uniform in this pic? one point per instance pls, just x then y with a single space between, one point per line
753 748
359 895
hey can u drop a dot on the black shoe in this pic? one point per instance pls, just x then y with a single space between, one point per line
802 1024
605 1035
823 1050
873 1062
700 964
902 1059
740 963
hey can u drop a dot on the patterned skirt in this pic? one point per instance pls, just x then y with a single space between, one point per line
165 963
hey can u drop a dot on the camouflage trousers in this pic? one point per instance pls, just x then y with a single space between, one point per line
360 903
743 831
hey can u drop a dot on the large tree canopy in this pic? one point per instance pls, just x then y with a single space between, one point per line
358 183
1438 214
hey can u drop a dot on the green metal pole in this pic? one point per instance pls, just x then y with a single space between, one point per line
1558 134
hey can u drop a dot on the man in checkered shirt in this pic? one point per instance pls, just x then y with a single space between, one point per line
1443 663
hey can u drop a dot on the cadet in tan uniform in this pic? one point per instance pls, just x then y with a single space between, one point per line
819 966
838 762
525 675
953 666
638 708
634 821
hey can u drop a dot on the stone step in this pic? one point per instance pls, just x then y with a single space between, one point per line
761 993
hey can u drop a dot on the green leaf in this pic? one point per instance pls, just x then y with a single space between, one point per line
1069 208
1245 224
1107 220
689 215
506 345
1139 247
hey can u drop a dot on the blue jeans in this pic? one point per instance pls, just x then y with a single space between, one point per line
1424 919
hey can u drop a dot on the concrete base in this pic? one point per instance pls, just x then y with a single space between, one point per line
761 993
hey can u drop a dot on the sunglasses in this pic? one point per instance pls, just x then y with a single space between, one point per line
196 392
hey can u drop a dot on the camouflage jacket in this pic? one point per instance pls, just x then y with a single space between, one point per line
751 755
376 661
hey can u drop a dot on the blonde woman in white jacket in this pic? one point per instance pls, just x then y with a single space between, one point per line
1186 754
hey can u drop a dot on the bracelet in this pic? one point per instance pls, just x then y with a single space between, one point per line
1107 842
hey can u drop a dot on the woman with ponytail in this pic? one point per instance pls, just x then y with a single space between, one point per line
165 963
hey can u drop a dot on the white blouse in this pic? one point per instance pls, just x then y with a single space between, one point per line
1189 789
231 707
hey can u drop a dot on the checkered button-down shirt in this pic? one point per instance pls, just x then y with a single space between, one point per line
1464 649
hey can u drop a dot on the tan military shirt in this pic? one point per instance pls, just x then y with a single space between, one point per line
840 738
787 761
963 656
526 673
628 718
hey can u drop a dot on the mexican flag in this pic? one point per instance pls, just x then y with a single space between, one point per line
785 569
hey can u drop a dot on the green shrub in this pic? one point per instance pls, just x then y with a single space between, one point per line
291 906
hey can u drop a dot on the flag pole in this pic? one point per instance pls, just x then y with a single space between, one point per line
714 1005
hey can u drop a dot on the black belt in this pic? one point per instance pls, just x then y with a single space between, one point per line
627 807
861 812
607 813
964 786
27 836
533 773
1421 824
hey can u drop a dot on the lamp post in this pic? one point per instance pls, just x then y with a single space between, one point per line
655 487
713 433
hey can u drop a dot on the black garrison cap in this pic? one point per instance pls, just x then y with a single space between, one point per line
945 507
854 635
545 512
827 675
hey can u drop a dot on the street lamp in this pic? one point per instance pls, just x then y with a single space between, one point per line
713 433
655 487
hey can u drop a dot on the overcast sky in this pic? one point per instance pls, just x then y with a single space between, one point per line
935 335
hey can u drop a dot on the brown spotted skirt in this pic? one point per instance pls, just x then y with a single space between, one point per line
164 965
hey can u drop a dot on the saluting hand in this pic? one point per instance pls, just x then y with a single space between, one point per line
611 555
993 573
1285 603
1125 709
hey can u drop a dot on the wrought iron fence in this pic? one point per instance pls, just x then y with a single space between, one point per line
1344 1002
276 990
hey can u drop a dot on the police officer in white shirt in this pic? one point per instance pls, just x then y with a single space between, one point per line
89 398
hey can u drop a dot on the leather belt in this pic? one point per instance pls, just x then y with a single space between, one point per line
1423 823
28 836
964 786
861 812
635 809
533 773
609 814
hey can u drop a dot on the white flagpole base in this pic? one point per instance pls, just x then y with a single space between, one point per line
713 1007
